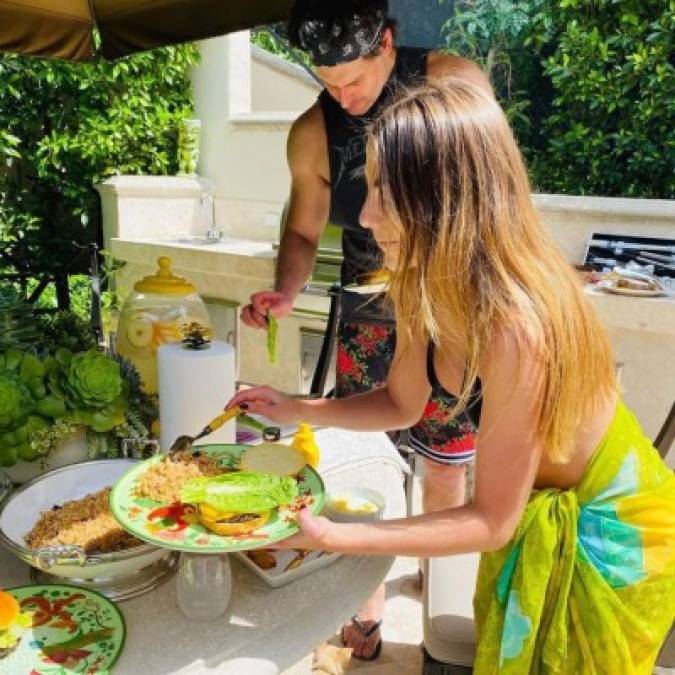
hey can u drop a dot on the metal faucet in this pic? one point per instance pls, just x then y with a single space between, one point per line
212 234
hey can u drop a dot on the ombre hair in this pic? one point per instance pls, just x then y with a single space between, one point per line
475 260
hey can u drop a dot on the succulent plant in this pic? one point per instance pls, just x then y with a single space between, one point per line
92 380
16 402
92 385
27 406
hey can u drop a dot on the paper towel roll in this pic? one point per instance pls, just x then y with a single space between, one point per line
194 386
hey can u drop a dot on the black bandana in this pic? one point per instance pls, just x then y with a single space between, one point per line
329 43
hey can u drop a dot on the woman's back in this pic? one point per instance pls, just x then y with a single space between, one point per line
449 372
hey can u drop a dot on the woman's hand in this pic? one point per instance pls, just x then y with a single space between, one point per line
268 402
315 533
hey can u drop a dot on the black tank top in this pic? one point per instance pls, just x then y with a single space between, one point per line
347 156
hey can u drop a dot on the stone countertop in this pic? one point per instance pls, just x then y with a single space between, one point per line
653 315
229 256
251 262
255 260
265 630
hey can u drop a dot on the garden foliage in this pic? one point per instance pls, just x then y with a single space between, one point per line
65 127
589 87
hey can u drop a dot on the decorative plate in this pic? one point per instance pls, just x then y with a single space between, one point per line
74 631
176 526
636 292
367 289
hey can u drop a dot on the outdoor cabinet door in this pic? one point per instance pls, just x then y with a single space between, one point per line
225 319
311 341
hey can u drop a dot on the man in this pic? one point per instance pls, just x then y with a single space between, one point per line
351 43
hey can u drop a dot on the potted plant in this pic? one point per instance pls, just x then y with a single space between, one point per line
63 399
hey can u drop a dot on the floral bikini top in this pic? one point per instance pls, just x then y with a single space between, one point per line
473 408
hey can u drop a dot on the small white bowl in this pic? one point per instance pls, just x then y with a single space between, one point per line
354 494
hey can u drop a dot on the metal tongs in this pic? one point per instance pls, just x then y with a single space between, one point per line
186 442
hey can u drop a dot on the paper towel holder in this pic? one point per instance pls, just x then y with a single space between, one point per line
196 336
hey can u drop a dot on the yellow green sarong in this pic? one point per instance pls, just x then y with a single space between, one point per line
587 583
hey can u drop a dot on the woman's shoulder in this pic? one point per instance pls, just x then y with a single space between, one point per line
510 361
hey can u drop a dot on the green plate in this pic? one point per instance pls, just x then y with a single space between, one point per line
74 631
176 527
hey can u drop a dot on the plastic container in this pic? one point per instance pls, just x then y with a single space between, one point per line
156 313
284 566
303 440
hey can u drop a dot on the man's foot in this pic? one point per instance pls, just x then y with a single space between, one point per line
364 638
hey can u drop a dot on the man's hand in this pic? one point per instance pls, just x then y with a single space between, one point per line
270 403
254 315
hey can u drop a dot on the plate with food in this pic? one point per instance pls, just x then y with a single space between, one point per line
629 288
280 567
625 282
55 629
62 525
217 498
367 289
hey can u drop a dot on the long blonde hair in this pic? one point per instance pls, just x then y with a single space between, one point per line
475 259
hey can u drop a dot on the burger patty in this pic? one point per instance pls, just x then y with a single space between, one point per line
239 518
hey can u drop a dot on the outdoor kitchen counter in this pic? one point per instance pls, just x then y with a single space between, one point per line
652 315
251 263
266 630
641 329
255 260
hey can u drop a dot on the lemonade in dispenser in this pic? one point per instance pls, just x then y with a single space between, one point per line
160 308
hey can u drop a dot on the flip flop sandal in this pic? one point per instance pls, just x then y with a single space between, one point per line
366 633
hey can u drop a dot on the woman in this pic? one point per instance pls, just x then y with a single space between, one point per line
573 509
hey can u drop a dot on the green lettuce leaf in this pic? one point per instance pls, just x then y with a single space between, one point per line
272 329
241 492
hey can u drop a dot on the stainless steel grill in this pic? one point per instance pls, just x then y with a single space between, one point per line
609 250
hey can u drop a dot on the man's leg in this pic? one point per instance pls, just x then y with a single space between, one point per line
364 355
444 485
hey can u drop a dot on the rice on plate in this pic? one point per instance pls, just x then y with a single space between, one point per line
164 480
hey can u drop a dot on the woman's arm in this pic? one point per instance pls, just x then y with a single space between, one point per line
507 460
397 405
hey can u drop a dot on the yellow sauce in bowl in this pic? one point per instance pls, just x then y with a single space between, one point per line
351 504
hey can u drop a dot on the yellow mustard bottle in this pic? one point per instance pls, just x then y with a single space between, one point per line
303 440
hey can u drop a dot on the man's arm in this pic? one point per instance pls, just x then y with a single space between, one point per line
308 208
308 205
445 65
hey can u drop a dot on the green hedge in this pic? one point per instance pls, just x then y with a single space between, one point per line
65 127
588 85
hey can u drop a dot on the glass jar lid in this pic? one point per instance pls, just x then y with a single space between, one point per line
164 281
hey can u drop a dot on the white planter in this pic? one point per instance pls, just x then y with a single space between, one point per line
71 450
